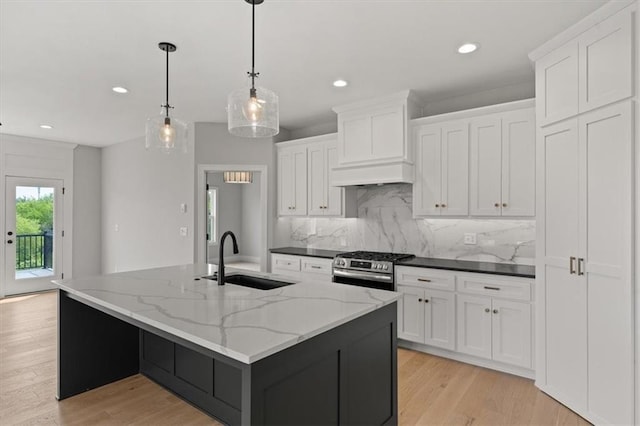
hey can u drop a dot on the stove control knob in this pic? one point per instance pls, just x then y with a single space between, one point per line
385 267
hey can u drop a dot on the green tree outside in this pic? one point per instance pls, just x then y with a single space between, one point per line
33 216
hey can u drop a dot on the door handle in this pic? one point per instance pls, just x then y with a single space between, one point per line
572 265
580 266
9 241
10 233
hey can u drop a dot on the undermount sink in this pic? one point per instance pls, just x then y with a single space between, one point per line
249 281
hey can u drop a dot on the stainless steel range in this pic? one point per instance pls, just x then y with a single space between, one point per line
367 268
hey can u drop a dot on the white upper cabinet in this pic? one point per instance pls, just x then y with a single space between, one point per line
373 146
478 162
304 174
441 186
590 71
292 181
325 199
502 164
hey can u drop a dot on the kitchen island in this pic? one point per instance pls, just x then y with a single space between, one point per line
309 353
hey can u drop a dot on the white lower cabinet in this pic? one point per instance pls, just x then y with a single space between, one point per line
301 267
428 316
482 319
495 329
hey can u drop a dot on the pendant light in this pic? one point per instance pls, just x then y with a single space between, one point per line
237 177
164 132
253 111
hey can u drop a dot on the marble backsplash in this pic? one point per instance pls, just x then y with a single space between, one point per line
385 223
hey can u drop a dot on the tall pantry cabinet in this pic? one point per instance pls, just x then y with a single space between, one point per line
585 100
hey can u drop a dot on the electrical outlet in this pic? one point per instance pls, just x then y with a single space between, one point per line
183 208
470 238
184 231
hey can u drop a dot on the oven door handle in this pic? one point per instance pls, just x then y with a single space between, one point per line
363 275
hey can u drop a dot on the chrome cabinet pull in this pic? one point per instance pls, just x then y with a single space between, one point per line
491 288
580 266
504 204
496 205
315 267
487 310
572 265
437 205
424 280
495 311
444 206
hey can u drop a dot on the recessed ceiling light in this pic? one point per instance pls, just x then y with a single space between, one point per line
467 48
340 83
119 89
46 126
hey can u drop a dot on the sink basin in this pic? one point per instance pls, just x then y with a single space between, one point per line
255 282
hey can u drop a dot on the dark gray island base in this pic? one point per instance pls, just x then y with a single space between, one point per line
346 375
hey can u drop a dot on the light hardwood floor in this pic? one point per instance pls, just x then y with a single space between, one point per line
431 390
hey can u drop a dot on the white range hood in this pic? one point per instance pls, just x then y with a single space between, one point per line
373 141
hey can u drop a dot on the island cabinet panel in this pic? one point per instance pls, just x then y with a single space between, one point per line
347 375
194 368
94 348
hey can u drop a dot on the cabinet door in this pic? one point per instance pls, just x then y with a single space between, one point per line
511 332
565 313
474 325
300 182
485 166
439 319
606 67
317 179
518 163
334 194
411 314
455 170
285 182
557 84
606 142
427 188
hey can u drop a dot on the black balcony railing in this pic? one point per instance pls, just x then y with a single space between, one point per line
34 251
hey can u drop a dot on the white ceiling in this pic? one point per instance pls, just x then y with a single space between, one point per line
59 59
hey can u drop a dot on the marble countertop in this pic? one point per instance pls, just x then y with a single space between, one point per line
526 271
303 251
240 322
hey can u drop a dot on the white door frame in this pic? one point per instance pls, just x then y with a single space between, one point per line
28 285
201 200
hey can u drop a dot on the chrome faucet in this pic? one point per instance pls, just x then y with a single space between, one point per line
221 255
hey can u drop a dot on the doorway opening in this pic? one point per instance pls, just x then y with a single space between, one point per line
33 215
237 207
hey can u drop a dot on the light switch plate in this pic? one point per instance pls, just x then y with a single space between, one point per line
470 238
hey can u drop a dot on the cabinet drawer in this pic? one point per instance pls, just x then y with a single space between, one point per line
289 263
495 287
427 278
316 265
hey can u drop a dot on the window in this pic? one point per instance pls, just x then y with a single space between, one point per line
212 215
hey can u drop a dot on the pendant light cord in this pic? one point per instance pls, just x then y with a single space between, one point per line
253 46
166 107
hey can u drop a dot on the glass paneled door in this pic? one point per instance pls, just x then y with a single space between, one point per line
33 234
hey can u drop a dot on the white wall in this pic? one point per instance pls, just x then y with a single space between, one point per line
229 212
249 239
141 196
87 211
39 158
214 145
510 93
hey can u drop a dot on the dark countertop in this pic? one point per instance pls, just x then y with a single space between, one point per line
303 251
525 271
509 269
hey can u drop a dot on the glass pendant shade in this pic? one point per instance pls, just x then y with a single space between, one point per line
166 133
237 177
253 113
